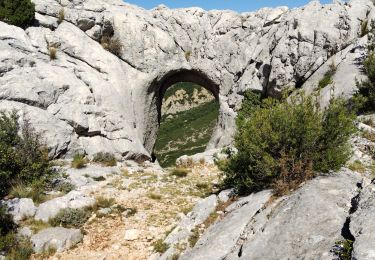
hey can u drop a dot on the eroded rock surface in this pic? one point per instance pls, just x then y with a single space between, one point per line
89 100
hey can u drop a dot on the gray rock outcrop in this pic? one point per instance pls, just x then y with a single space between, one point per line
21 209
57 238
73 200
305 225
89 100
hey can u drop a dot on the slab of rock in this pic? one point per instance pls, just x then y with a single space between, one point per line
131 234
219 240
307 224
74 200
89 100
197 216
362 225
58 238
21 209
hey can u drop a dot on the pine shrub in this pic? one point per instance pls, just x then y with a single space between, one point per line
20 13
282 144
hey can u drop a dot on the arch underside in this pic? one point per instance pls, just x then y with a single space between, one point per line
158 89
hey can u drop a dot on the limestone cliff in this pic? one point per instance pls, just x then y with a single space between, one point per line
90 100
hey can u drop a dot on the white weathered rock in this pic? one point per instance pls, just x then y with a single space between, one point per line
131 234
21 209
74 200
88 100
25 232
306 224
219 240
197 216
362 225
58 238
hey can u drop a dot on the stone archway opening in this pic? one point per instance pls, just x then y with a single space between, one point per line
186 111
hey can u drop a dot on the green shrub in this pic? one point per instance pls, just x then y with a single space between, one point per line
160 246
22 251
70 218
65 187
179 172
364 98
281 144
79 161
17 12
23 159
7 228
105 159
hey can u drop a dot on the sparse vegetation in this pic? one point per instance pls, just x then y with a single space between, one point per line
61 15
99 178
364 28
282 144
112 45
70 218
65 187
79 161
357 166
154 196
194 237
102 203
179 172
188 55
327 78
34 191
344 249
160 246
105 159
20 13
52 52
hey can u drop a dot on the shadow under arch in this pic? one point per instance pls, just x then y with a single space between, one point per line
157 90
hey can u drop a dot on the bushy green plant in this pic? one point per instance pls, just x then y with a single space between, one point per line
105 159
23 159
364 99
17 12
7 227
112 45
160 246
281 144
79 161
70 218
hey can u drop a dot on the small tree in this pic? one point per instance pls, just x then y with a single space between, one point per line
20 13
364 99
282 144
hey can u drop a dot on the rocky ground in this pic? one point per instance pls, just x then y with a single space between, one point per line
152 201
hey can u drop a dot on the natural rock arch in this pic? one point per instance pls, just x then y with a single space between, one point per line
89 100
157 90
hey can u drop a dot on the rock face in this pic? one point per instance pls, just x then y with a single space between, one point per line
89 100
21 209
306 224
73 199
57 238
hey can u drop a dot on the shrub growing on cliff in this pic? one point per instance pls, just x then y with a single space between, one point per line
364 99
281 144
112 45
17 12
105 159
23 159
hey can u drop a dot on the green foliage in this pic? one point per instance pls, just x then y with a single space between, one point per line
186 134
344 249
179 172
7 228
364 99
20 13
327 78
280 144
160 246
22 251
194 237
34 191
23 159
70 218
105 159
79 161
